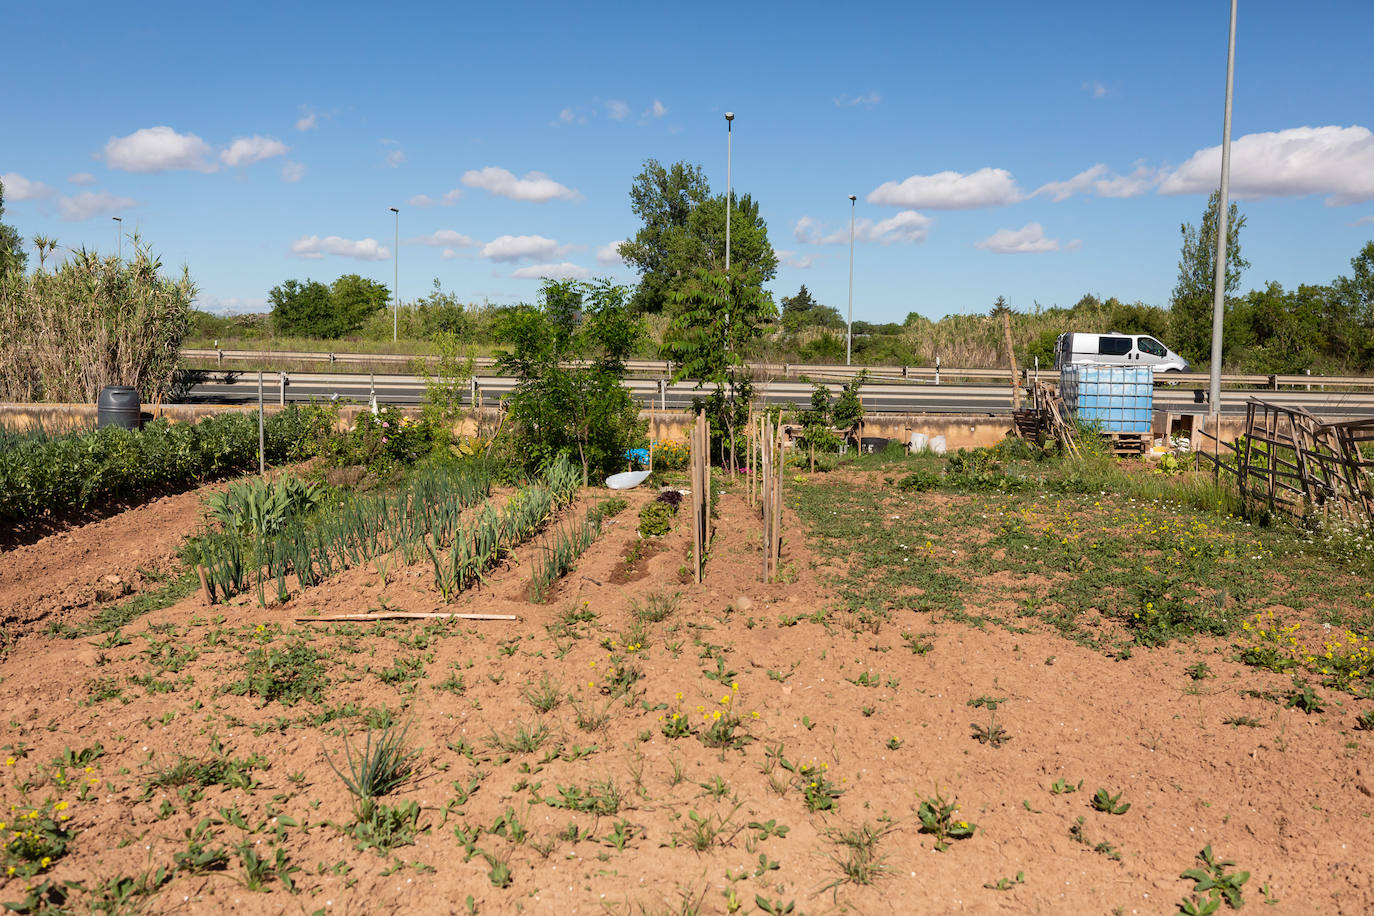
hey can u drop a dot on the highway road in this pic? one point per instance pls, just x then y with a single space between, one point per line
402 390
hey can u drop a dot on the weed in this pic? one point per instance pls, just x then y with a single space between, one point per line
1006 884
386 827
525 739
1304 697
547 697
1365 721
936 815
1213 880
1103 800
1200 671
1237 721
705 830
657 607
1060 787
286 675
859 860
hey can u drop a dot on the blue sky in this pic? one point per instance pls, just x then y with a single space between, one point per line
1034 151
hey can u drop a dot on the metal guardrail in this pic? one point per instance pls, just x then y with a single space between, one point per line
929 374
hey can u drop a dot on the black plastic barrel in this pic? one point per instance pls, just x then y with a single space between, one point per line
117 406
872 444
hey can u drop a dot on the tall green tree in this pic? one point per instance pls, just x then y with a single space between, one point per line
12 254
581 410
302 309
803 311
1193 296
684 231
716 319
311 309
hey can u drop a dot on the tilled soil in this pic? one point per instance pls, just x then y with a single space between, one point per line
881 717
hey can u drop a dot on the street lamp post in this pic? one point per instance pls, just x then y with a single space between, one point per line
729 123
1219 288
849 332
119 235
396 280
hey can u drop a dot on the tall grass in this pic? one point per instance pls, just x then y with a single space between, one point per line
92 322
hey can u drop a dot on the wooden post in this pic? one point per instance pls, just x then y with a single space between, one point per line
777 507
695 440
262 463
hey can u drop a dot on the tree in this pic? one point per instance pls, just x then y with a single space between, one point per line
1350 329
558 408
816 421
803 311
1192 301
302 309
715 320
684 231
311 309
355 299
12 254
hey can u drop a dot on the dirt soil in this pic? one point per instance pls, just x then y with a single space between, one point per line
681 827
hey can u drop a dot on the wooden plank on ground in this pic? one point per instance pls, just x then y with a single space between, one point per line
405 615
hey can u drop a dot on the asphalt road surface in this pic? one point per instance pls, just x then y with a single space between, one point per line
242 388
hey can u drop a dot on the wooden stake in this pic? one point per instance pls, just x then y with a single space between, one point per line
204 583
403 615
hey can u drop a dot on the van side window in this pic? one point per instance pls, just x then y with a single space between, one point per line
1151 346
1113 346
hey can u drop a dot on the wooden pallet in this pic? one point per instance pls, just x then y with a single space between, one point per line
1129 443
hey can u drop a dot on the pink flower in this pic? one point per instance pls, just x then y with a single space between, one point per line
386 425
384 440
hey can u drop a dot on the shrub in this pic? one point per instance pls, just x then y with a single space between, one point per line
41 474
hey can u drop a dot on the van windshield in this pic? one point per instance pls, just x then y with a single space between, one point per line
1151 346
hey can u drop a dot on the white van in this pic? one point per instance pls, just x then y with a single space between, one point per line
1116 350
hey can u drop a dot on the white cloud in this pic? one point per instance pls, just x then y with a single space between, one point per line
1030 238
447 200
313 247
292 171
448 254
567 115
609 253
906 226
81 178
867 100
790 259
308 120
1103 182
158 149
656 110
231 305
89 204
1335 161
248 150
17 187
1363 220
394 158
444 238
1095 89
564 271
518 247
535 186
617 110
949 190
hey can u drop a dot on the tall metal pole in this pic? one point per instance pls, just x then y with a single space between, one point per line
729 134
849 329
396 281
119 235
1223 205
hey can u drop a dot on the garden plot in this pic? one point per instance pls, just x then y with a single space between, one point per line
947 704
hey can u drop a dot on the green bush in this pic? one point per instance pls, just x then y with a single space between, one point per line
388 440
42 473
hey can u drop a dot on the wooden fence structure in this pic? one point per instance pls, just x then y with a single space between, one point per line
1292 462
700 452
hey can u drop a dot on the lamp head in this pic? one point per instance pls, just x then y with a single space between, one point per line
393 210
729 116
852 198
118 219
